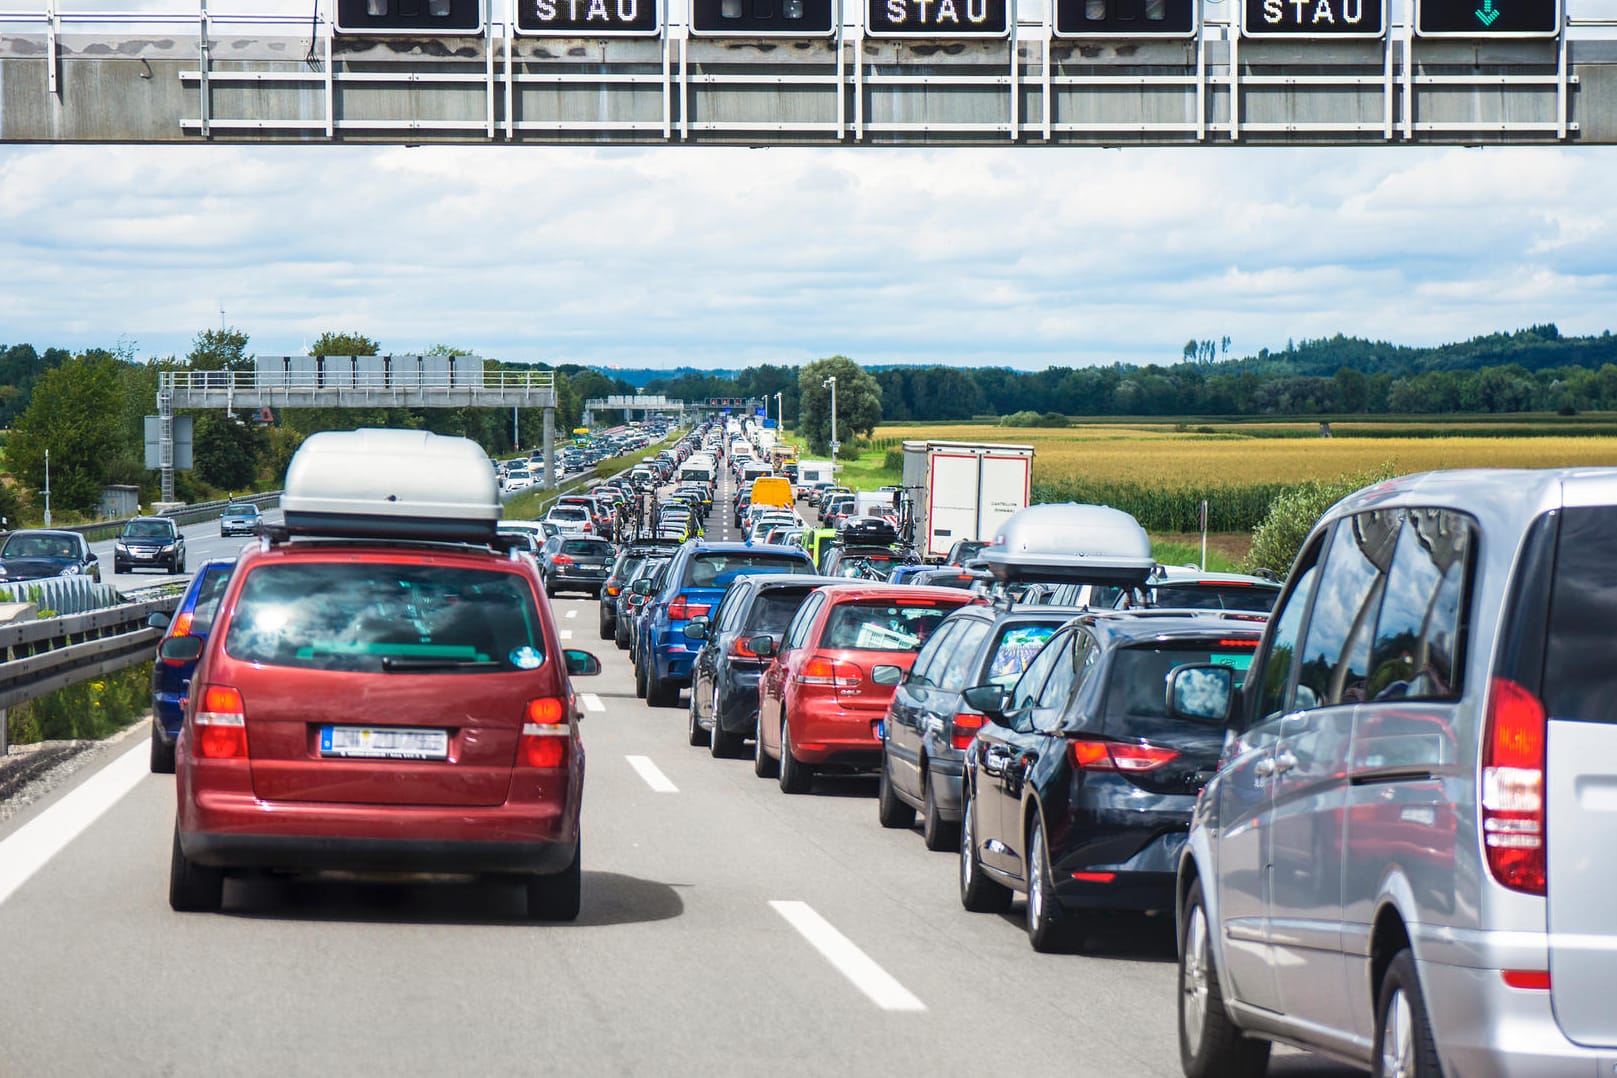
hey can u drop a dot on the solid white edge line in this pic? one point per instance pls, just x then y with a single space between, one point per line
30 847
882 987
591 702
654 777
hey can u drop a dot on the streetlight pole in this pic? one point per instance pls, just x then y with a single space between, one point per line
47 491
780 414
831 380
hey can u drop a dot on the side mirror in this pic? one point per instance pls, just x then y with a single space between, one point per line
1201 693
641 586
887 674
158 620
763 646
990 699
695 629
581 663
181 649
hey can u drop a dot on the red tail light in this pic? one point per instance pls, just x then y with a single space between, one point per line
561 559
681 609
964 728
613 589
1118 756
544 733
1513 787
740 649
822 671
221 724
180 626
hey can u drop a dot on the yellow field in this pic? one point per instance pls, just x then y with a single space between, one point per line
1163 456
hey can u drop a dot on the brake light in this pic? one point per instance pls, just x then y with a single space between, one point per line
1513 787
682 609
180 626
964 728
221 724
561 559
1094 877
822 671
1238 643
1118 756
544 732
740 649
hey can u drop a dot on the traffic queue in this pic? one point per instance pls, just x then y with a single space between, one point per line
1340 787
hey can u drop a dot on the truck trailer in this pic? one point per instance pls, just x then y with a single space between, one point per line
962 490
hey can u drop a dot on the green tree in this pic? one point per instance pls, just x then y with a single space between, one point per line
219 350
227 451
75 413
858 401
1352 390
344 344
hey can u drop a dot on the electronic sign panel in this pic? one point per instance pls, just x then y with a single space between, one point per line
1488 18
764 18
939 18
453 17
1126 18
1313 18
589 18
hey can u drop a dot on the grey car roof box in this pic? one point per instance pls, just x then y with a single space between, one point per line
1069 542
391 484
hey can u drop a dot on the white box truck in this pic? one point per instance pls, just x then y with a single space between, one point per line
812 474
963 490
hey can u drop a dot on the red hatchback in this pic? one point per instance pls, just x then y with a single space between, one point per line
381 705
823 697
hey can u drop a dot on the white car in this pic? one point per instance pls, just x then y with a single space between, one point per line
571 520
516 479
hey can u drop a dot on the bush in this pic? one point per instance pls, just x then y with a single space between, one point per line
894 460
1174 510
1031 418
1293 514
90 710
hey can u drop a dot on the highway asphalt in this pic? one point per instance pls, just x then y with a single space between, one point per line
727 929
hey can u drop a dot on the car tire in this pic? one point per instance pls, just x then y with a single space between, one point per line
891 811
608 630
693 729
1048 928
721 743
795 776
1404 1041
119 567
620 636
193 887
1210 1045
640 680
180 568
938 834
763 764
978 893
660 692
558 897
162 753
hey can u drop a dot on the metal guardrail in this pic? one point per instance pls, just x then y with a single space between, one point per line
62 594
190 514
39 657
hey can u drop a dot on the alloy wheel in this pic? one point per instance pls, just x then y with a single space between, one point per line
1194 981
1398 1038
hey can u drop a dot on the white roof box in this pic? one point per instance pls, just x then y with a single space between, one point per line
1090 544
391 484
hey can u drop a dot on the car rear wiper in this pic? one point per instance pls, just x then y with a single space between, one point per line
415 664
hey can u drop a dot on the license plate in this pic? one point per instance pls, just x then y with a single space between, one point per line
384 742
144 553
591 568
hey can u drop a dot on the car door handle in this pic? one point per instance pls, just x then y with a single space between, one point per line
1264 767
994 761
1284 761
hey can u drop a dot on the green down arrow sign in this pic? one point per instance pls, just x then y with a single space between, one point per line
1487 13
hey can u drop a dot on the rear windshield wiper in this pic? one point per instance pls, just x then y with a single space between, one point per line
415 664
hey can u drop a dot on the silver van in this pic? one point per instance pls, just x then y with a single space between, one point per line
1408 856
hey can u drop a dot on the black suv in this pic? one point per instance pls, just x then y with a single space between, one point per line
149 543
1080 787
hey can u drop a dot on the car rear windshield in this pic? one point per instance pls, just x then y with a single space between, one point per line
881 626
717 570
209 592
1015 649
589 548
148 529
1216 597
567 512
371 617
1137 691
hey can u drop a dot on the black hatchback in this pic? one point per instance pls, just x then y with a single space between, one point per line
575 563
1080 787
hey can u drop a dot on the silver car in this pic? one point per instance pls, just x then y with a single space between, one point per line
1405 858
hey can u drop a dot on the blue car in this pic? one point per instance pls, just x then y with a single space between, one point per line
692 587
171 678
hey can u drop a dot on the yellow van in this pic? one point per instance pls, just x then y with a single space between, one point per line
772 490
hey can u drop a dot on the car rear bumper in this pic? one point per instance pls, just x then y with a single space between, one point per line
1143 882
831 735
308 853
943 778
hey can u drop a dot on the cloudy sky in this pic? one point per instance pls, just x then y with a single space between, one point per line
718 257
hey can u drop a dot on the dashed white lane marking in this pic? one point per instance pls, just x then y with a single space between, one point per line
591 702
567 634
34 843
654 778
882 988
572 613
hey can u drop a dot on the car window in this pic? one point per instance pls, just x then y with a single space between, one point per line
1032 680
1285 628
1137 679
148 529
1336 653
880 625
927 658
1067 657
242 510
797 631
209 591
589 548
1419 634
774 609
1015 648
717 570
1578 671
1215 596
729 610
374 616
957 670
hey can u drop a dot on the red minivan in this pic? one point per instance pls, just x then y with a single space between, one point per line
826 690
381 695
